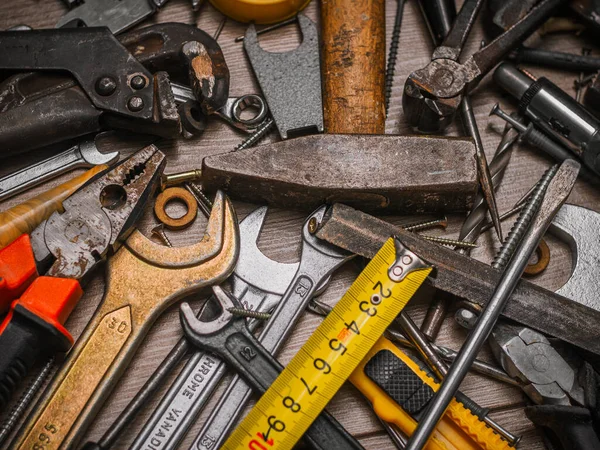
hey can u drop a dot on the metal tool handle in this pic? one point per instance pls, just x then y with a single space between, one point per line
86 379
260 369
455 40
491 54
41 172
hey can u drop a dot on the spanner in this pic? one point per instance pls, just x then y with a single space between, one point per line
229 336
319 260
258 282
83 154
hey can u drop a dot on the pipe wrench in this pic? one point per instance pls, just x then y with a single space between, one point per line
143 279
259 283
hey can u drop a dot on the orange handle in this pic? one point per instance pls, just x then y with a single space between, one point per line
24 218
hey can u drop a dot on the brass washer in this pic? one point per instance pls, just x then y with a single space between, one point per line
171 194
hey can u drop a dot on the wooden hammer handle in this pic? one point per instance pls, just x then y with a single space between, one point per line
353 57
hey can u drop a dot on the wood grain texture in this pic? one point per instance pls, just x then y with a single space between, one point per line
353 60
281 234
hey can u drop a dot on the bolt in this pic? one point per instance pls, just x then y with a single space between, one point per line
180 177
159 231
313 224
138 82
105 86
465 318
135 103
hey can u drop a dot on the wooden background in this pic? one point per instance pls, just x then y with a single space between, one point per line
280 237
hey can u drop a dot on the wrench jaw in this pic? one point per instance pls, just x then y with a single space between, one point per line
92 156
310 239
212 335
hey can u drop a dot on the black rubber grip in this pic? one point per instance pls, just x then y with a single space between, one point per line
399 381
24 340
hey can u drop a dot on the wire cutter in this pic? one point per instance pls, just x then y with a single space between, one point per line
66 248
564 390
433 94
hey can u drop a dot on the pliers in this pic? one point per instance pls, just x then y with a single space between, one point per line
65 249
564 396
433 94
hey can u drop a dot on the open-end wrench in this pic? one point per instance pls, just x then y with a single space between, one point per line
258 282
319 260
83 154
230 337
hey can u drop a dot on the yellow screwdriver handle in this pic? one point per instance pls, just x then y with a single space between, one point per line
25 217
459 428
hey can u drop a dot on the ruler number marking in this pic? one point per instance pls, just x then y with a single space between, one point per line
310 390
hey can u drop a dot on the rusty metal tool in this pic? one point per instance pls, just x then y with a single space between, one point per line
433 94
42 276
229 337
290 81
438 174
143 278
569 319
25 217
439 16
544 203
113 82
83 154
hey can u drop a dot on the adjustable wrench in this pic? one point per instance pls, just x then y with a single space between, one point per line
83 154
230 337
319 260
259 283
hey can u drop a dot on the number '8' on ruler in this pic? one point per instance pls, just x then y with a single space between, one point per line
333 351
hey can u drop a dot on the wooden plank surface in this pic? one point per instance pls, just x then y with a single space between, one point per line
280 237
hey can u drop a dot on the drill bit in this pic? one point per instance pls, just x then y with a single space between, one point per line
485 178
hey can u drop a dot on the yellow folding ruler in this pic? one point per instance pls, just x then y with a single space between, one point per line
324 363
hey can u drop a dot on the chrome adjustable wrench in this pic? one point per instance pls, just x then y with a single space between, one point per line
319 260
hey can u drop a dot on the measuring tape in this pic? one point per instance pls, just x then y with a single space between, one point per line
324 363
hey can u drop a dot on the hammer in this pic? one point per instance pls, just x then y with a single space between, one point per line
355 162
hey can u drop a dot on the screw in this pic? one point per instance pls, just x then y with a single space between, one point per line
105 86
203 201
138 82
443 222
313 224
393 54
450 242
135 103
159 231
24 401
249 313
260 132
220 28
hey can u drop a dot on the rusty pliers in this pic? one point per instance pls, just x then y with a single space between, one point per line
433 94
